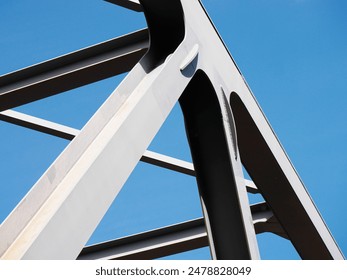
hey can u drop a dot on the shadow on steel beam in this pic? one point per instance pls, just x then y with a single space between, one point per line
214 173
265 171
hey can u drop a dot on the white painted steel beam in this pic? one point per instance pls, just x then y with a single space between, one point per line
69 133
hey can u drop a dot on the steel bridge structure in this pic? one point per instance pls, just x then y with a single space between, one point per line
179 58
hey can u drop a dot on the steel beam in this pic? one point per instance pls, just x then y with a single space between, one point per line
279 183
88 175
170 240
69 133
218 171
109 143
264 220
152 244
183 167
260 150
167 162
73 70
38 124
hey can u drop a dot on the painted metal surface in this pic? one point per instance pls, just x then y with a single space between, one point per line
72 70
152 244
129 4
108 142
225 126
38 124
171 239
218 172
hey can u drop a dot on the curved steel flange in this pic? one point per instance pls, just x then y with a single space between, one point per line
165 20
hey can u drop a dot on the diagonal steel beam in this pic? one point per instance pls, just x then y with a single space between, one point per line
154 86
179 60
73 70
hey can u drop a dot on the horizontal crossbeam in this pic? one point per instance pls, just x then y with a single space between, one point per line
170 240
179 61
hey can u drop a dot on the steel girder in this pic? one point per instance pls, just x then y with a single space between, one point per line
129 4
170 240
69 133
186 62
72 70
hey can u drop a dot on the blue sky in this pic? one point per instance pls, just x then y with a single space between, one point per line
293 54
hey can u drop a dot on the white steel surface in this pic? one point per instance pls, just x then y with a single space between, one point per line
59 214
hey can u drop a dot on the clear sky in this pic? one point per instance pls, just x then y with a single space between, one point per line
293 54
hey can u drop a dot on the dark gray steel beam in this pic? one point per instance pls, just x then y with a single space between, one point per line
274 185
73 70
170 240
129 4
153 244
69 133
265 221
214 170
183 167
